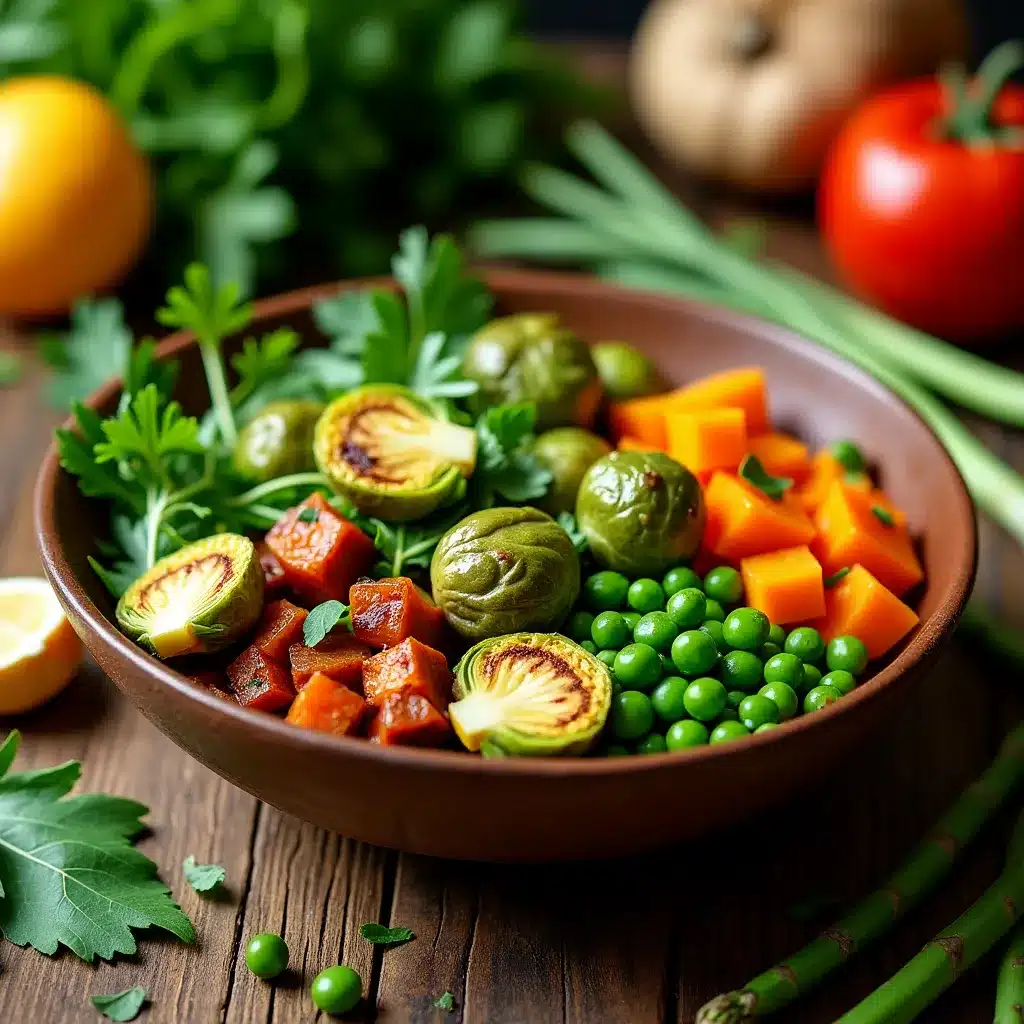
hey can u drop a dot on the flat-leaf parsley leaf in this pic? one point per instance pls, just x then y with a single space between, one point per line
380 935
321 620
203 877
445 1002
121 1006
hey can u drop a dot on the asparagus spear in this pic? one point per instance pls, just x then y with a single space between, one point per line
1010 986
922 980
929 863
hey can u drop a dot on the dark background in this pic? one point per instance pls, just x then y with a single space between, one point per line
991 20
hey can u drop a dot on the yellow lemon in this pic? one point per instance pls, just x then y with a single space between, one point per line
39 651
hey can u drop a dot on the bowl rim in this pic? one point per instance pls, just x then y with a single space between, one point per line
930 631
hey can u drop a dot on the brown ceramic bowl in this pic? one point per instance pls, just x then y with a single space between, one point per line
454 805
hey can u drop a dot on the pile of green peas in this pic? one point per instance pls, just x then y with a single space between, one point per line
690 665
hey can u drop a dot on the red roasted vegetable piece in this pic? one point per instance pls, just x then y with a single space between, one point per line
327 706
410 667
273 573
387 612
259 682
280 627
339 655
322 553
407 719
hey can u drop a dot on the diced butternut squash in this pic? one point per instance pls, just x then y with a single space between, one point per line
743 388
824 472
849 533
786 585
339 655
859 605
326 706
781 455
322 553
707 439
640 418
273 573
280 627
407 719
389 611
743 521
634 444
260 682
410 667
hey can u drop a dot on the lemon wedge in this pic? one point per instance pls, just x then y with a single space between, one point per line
39 651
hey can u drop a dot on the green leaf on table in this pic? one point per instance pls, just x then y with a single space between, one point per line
121 1006
10 369
445 1002
211 312
203 877
567 521
754 473
321 620
505 467
380 935
71 875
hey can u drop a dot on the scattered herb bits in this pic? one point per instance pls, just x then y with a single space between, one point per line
380 935
121 1006
204 878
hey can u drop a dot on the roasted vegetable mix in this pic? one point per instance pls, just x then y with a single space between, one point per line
372 539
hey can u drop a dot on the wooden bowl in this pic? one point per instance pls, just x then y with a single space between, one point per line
452 804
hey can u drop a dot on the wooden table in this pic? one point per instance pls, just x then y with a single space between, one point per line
634 942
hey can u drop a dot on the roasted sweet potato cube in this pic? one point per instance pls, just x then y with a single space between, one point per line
327 706
322 553
407 719
213 682
279 629
410 667
260 682
391 610
339 655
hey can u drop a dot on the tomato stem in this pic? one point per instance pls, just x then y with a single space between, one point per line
969 117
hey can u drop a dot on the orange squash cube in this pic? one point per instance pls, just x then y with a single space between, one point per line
743 521
743 388
339 655
781 455
849 533
391 610
640 418
260 682
326 706
410 667
707 439
407 719
824 472
859 605
280 627
786 585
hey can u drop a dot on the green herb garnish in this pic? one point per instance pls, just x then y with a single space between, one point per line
445 1002
506 469
321 620
841 574
203 877
567 521
754 473
380 935
121 1006
308 515
849 456
883 515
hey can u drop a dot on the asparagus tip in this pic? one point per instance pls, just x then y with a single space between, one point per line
728 1008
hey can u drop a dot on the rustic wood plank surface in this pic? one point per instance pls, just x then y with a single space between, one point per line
643 941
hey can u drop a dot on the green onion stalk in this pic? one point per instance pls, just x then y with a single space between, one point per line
926 866
924 978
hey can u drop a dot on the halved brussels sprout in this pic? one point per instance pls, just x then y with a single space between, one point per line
200 599
568 452
625 372
277 441
530 695
391 453
531 357
503 570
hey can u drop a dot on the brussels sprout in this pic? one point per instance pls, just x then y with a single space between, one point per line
568 452
641 512
530 694
625 372
530 357
391 453
504 570
200 599
278 440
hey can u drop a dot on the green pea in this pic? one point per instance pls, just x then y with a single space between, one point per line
713 628
266 955
724 585
679 578
609 631
657 630
812 676
777 636
631 715
783 696
685 734
842 681
694 653
688 608
769 650
645 595
741 670
746 629
820 696
637 667
608 657
806 643
605 591
589 646
766 727
653 743
733 698
713 611
578 627
631 618
667 699
729 714
847 653
616 750
705 699
784 668
336 990
757 709
727 731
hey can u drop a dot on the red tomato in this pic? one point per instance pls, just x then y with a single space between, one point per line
929 228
